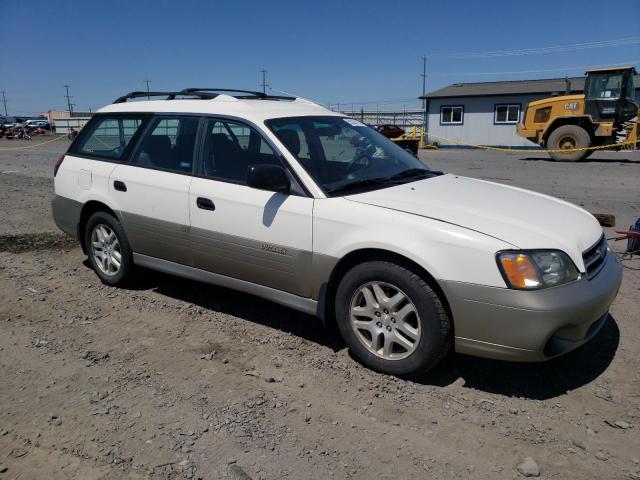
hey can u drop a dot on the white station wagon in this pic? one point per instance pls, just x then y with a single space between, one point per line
284 199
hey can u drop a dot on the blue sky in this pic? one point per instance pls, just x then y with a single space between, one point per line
346 51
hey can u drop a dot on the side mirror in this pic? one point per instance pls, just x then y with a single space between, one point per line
268 177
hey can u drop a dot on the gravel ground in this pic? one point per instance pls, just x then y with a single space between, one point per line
173 379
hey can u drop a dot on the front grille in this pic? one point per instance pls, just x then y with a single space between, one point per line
594 257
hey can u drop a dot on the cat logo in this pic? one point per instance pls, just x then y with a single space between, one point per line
571 106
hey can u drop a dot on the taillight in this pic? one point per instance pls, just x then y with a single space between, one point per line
57 165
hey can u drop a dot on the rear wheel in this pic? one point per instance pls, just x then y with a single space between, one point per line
391 319
108 249
569 137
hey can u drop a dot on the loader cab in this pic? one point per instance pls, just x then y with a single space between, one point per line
610 94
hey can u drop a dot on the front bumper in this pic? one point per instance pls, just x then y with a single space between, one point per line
526 133
519 325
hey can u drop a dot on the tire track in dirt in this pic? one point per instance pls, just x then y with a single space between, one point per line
28 242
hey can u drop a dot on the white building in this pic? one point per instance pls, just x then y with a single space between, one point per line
486 113
63 125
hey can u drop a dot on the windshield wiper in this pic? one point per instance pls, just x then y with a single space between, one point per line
359 184
395 179
410 173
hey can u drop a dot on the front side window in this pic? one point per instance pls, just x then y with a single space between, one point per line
230 148
108 137
451 115
168 144
630 92
344 155
507 114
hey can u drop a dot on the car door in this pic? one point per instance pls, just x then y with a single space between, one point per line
254 235
152 190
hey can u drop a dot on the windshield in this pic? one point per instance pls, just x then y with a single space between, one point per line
604 85
344 155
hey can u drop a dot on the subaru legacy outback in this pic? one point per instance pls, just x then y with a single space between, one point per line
281 198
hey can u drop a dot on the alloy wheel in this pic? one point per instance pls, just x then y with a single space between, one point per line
105 249
385 320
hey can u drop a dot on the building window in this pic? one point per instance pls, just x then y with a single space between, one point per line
507 114
451 115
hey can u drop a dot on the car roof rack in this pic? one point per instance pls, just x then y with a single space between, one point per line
124 98
248 94
204 93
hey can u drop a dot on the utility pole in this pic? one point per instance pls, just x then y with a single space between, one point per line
69 104
424 79
264 81
147 82
424 100
4 100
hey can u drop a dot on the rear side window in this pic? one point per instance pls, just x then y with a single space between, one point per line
230 148
108 137
168 144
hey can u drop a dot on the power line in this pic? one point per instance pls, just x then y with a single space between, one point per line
514 72
383 102
540 50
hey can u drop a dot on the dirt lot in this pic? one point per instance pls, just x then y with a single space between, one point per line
175 379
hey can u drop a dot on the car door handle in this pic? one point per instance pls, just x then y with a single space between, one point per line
120 186
205 204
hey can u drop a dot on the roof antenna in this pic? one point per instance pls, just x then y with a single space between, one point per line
567 86
294 95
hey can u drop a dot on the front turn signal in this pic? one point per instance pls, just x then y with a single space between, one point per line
519 270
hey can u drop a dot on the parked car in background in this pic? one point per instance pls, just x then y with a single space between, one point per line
390 131
281 198
37 124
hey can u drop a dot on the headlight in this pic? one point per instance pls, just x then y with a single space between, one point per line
530 270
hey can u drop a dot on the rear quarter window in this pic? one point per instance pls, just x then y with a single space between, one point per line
108 137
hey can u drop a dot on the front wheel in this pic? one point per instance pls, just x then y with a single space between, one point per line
569 138
391 319
108 249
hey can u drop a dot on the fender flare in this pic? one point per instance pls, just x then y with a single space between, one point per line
574 120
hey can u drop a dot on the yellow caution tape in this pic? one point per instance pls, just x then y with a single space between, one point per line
34 145
515 150
428 134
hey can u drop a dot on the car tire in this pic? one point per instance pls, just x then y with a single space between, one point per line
413 342
569 136
108 249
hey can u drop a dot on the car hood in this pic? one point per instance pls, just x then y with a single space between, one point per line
523 218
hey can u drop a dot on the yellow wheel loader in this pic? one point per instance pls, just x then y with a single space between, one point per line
605 114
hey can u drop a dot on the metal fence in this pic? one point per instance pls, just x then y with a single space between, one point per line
402 118
62 125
